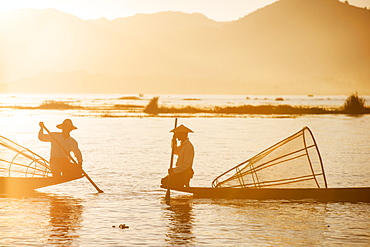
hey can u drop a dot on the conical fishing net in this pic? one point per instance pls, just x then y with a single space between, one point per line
294 162
17 161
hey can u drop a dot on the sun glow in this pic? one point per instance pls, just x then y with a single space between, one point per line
65 6
112 9
50 49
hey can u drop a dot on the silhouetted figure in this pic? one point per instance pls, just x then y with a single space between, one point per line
180 175
59 161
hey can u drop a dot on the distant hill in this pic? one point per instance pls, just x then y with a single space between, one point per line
288 47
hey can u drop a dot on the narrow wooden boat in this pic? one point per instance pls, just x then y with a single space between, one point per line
292 169
358 194
10 185
22 170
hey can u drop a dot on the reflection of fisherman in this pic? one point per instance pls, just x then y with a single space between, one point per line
180 175
59 161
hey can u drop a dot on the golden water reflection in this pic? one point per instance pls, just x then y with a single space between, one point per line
285 223
179 213
40 218
65 220
279 222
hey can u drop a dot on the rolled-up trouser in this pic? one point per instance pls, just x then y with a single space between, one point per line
178 179
62 166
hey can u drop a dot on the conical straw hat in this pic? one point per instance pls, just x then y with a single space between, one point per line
182 128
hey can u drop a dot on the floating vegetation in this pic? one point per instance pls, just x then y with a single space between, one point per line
191 99
107 115
187 109
49 105
270 109
125 107
353 105
129 98
58 105
152 107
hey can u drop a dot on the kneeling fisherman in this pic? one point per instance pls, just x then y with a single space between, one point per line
180 175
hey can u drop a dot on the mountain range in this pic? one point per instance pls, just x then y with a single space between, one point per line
288 47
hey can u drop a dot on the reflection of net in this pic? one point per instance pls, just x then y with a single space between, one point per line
294 162
17 161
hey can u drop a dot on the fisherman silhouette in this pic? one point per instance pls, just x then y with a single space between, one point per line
180 175
61 145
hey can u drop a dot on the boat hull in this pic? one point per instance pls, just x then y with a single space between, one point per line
356 194
21 184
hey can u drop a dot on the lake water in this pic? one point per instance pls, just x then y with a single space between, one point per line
127 156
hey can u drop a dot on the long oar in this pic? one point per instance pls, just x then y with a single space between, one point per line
73 160
168 193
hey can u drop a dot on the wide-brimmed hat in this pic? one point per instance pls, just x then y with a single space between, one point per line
67 123
182 128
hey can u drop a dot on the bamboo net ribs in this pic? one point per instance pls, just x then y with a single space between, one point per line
294 162
18 161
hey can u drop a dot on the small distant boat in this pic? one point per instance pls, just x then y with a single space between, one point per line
22 170
292 169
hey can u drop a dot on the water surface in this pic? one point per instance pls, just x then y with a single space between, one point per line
126 157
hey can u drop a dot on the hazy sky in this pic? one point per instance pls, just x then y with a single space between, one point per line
218 10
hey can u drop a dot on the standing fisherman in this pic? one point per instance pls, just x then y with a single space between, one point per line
180 175
59 162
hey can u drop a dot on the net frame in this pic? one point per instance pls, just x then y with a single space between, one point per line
253 167
18 161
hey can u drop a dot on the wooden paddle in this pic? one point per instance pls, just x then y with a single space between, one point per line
168 193
70 157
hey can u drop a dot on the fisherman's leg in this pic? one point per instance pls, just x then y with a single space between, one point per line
71 169
187 182
77 169
55 167
188 174
177 180
164 181
174 180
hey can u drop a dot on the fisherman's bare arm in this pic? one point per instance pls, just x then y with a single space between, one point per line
43 137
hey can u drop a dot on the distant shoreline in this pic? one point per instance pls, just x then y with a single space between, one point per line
353 105
254 110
